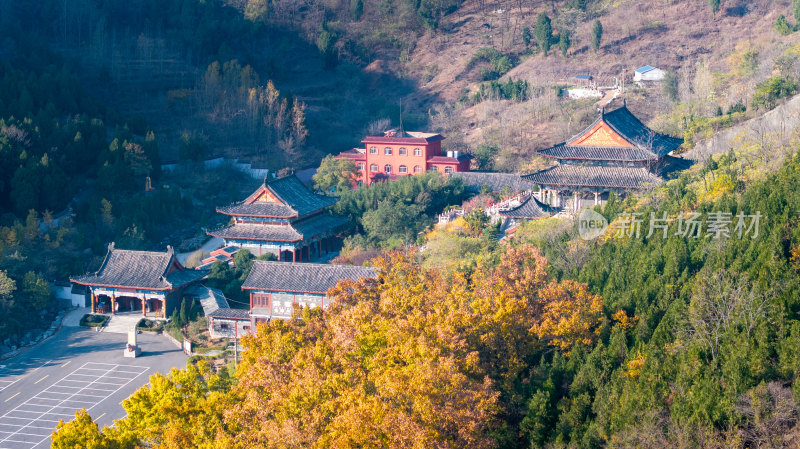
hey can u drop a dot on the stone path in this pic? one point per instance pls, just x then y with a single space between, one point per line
122 323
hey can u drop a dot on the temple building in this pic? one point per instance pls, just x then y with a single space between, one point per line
403 153
275 288
615 153
128 280
282 217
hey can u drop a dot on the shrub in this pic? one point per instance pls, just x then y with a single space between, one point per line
782 26
496 90
90 320
499 63
770 91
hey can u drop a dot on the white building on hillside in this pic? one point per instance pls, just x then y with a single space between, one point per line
648 73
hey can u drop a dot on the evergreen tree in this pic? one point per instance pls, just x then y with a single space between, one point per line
564 42
356 9
544 32
526 36
184 315
597 35
796 9
714 5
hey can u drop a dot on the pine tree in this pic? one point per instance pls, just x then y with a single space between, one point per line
796 9
564 42
356 9
184 316
714 4
597 35
544 32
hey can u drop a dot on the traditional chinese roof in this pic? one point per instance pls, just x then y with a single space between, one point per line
615 136
404 138
302 277
594 176
210 299
495 182
285 197
140 269
230 314
530 208
295 232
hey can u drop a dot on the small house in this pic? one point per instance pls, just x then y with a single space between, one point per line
648 73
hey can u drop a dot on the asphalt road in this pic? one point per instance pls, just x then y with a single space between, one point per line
76 368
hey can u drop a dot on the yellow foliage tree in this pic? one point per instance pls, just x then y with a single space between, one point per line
571 313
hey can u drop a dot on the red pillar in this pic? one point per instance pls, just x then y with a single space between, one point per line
94 300
280 251
294 255
113 304
144 306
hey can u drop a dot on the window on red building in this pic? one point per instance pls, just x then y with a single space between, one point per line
387 168
417 152
417 169
373 150
361 166
373 168
402 169
448 170
433 168
387 151
402 152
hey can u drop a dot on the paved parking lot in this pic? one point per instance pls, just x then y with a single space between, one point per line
76 369
31 423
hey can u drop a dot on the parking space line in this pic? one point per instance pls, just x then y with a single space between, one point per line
60 409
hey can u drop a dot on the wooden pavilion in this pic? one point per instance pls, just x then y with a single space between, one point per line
130 280
617 152
282 217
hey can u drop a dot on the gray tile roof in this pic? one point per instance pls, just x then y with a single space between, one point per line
210 299
294 232
594 176
296 198
582 152
647 143
230 314
302 277
494 181
529 209
139 269
259 209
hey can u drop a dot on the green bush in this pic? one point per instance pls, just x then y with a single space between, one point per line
782 26
499 63
149 325
90 320
773 89
495 90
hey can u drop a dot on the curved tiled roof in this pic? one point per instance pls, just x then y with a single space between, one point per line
294 232
302 277
581 152
594 176
139 269
259 209
295 200
495 182
647 144
530 208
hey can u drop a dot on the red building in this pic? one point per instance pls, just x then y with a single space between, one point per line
400 153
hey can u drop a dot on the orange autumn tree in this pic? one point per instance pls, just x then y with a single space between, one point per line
417 358
570 315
